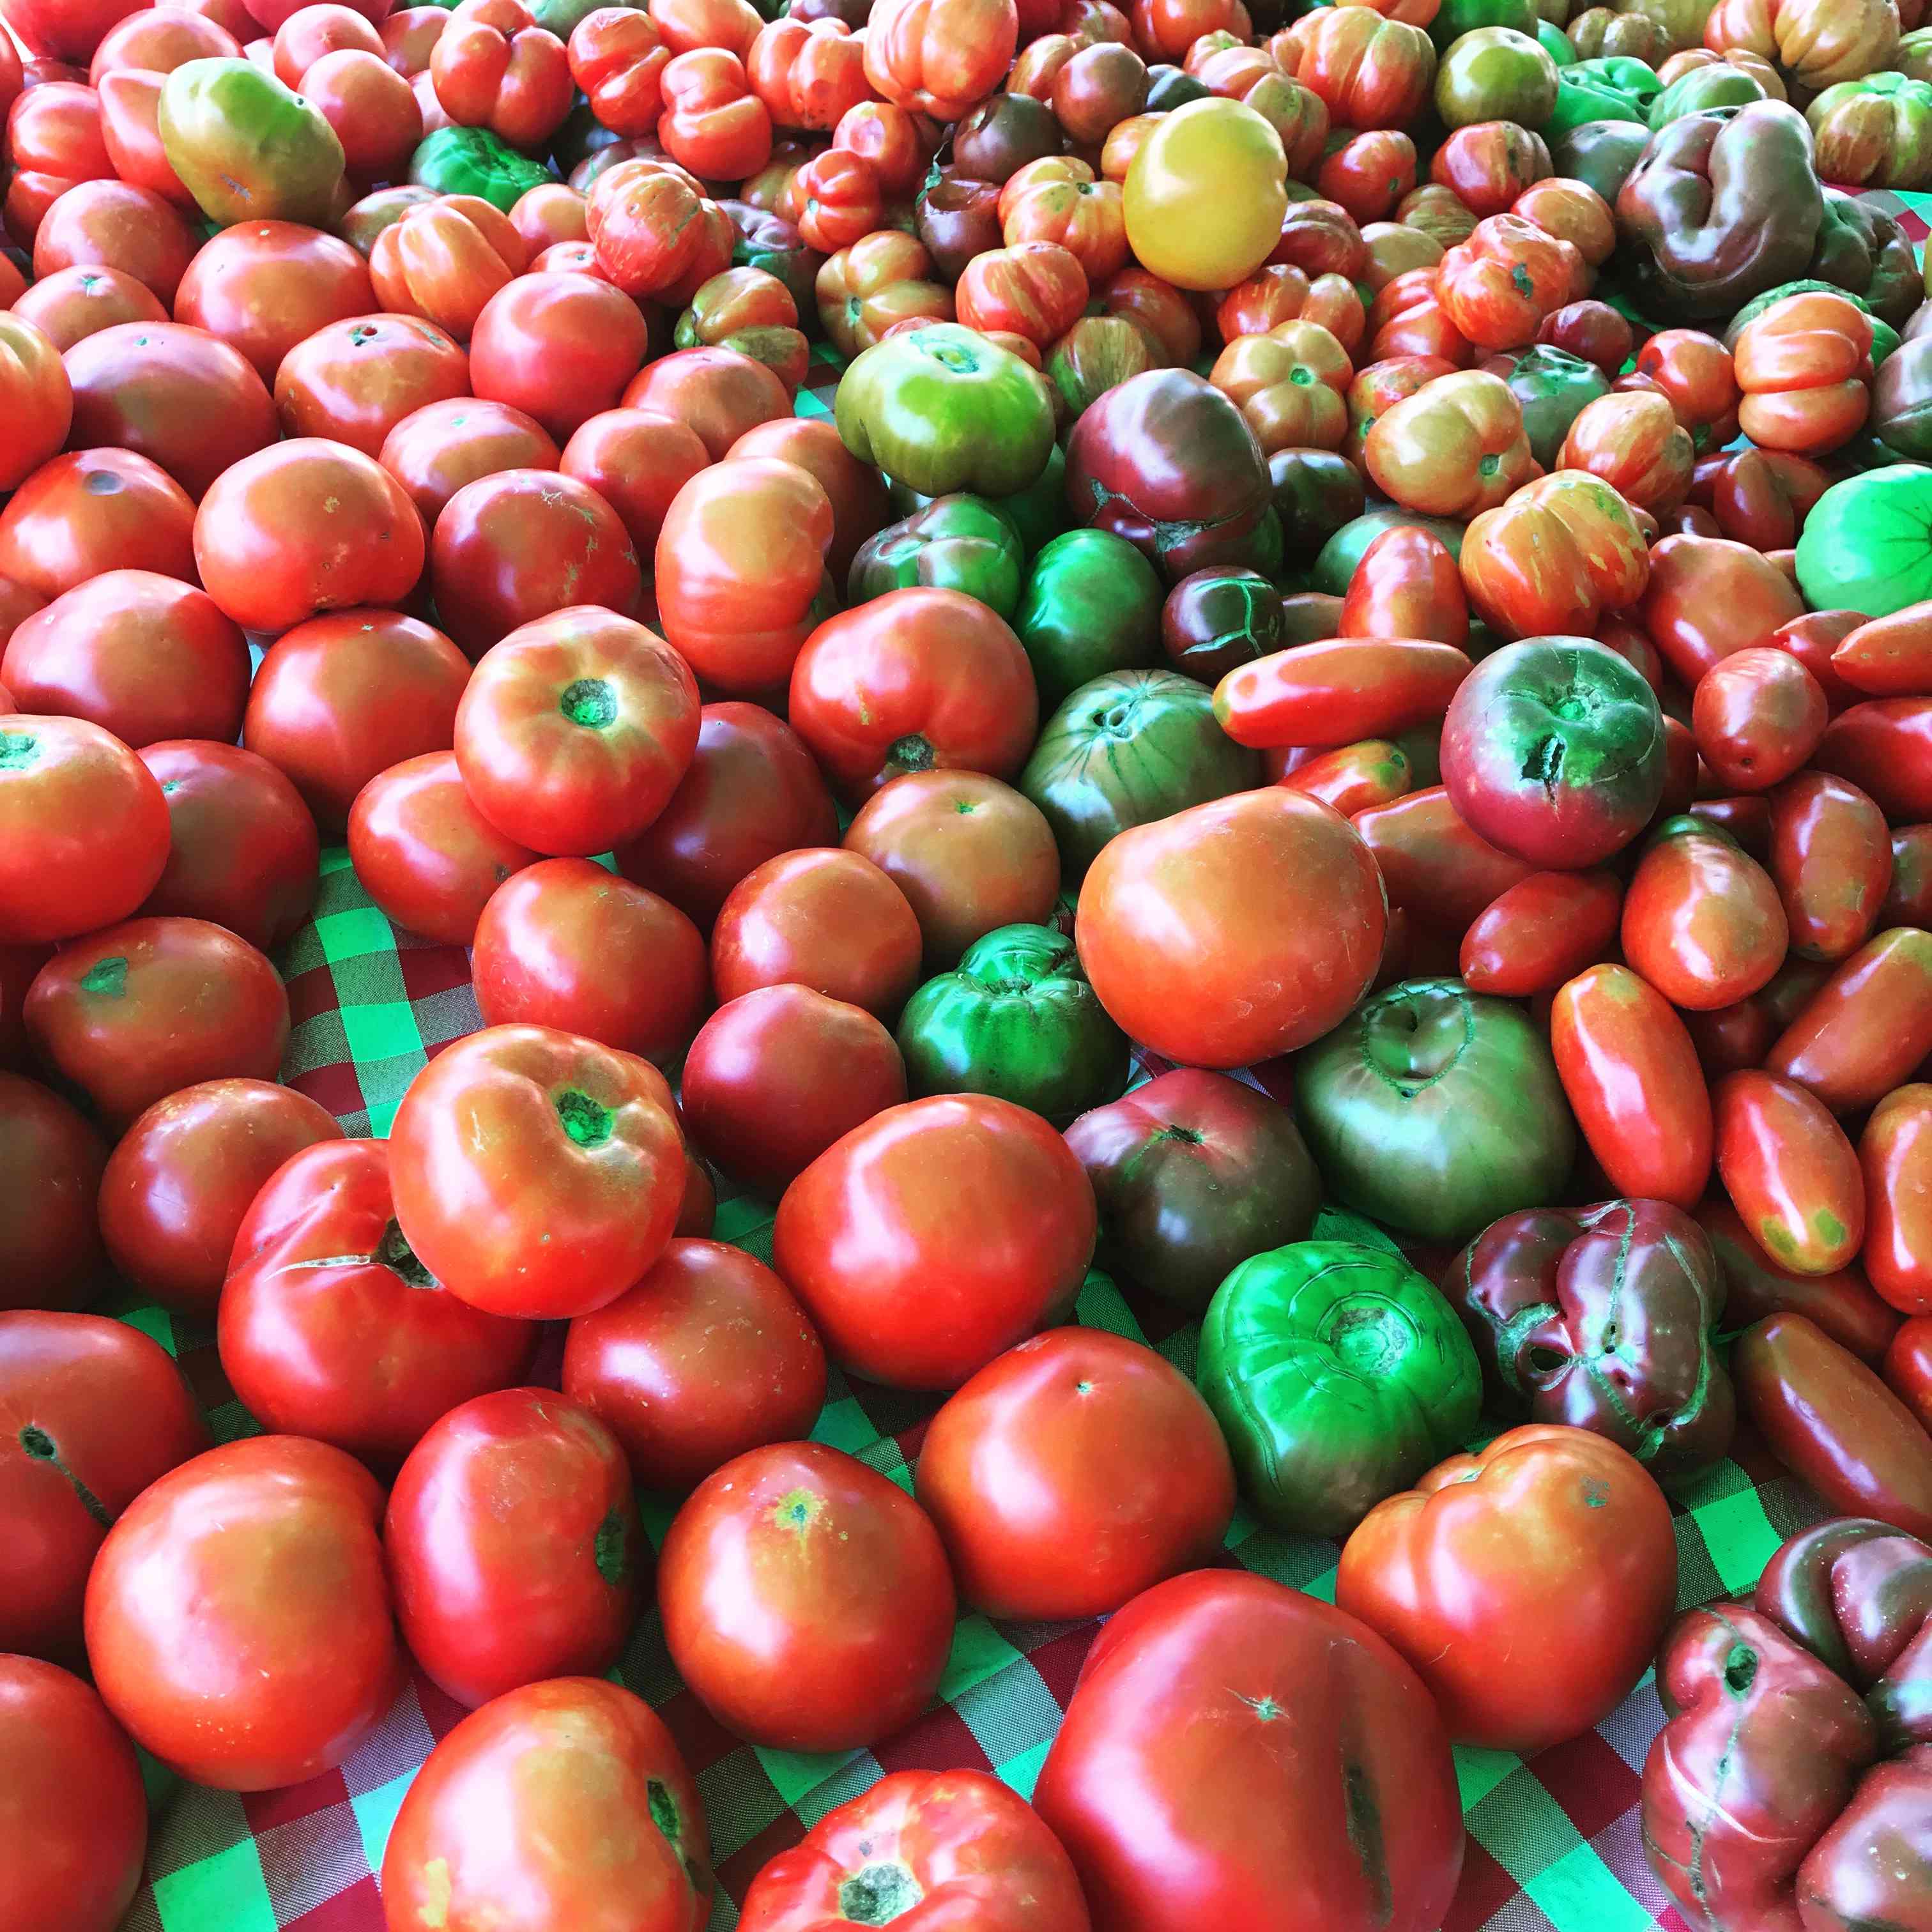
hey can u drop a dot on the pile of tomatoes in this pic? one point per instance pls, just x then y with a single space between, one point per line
1369 561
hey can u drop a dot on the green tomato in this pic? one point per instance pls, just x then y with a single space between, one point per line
1335 565
1553 388
1555 42
472 161
959 543
1338 1375
1092 604
1455 18
1867 543
1719 85
1016 1019
1496 74
1435 1110
1039 511
1125 750
247 148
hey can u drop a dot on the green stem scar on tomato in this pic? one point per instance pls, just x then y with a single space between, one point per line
584 1120
588 702
878 1895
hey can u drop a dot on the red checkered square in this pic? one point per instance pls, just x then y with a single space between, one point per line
1592 1783
735 1874
267 1810
942 1737
1485 1890
358 1908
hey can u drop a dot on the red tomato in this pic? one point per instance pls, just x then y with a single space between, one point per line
1071 1473
72 1809
372 109
1758 715
71 303
65 30
1329 694
93 1411
1791 1172
494 68
720 392
330 1328
1895 1152
536 1173
707 1355
238 1618
1433 865
263 287
55 138
1542 930
37 397
113 224
1709 597
1842 1305
611 1838
559 347
938 57
1551 1542
104 509
1831 855
806 1599
1865 1029
313 31
1227 1730
637 461
184 1176
51 1157
1702 921
860 505
435 451
1908 1368
352 382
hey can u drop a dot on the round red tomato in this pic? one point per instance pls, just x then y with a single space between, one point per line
721 393
1073 1473
51 1157
71 303
115 225
559 347
434 451
263 286
35 391
103 509
91 1411
637 461
806 1599
706 1356
238 1618
353 381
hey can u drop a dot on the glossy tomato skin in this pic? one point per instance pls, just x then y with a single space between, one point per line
1831 856
352 382
1554 1542
39 397
184 1177
514 1545
94 1412
1071 1473
1184 1794
637 461
806 1599
1895 1153
51 1159
263 286
559 347
238 1618
329 1327
520 1132
101 509
1867 1027
72 303
479 1846
1907 1368
434 451
72 1806
935 1236
1790 1170
706 1356
1702 920
1542 930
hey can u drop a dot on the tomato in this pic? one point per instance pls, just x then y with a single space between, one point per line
653 233
1633 442
435 451
372 111
1831 855
1842 1305
493 67
104 509
313 31
1554 1542
76 1864
38 396
1325 694
1352 778
1879 745
720 392
968 852
520 1132
616 58
1406 585
263 287
238 1619
1867 1027
938 57
1551 560
352 382
559 347
1499 285
94 1411
444 262
1455 447
112 224
138 1011
1204 194
1543 930
1708 597
611 1837
1908 1367
1432 864
1183 1796
1893 1154
1758 715
637 461
144 656
1036 288
1797 363
49 1179
71 303
1702 920
712 122
1630 1073
65 30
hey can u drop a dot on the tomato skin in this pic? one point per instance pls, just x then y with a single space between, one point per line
435 451
1831 856
938 57
75 1865
1353 778
78 516
1702 921
49 1179
1709 597
559 347
1907 1368
1630 1073
1326 694
352 382
705 1356
636 461
1830 1421
71 303
1841 1305
1553 1540
1908 899
1171 1789
1881 746
479 1846
1793 1175
1864 1030
874 1238
38 395
1542 931
1895 1154
116 225
806 1599
1407 585
1431 864
1757 715
238 1618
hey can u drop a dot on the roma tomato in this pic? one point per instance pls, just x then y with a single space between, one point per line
1789 1170
103 509
1757 716
559 347
50 1181
1908 1368
1702 920
1831 856
1433 865
1865 1029
1879 745
806 1599
1553 1541
1895 1153
1542 930
1889 657
1407 585
1708 597
1842 1305
1320 695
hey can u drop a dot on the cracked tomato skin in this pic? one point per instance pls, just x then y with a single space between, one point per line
565 1803
1528 1584
1226 1731
930 1848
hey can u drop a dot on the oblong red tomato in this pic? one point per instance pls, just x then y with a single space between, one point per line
1324 695
1757 716
1542 930
1708 597
1890 656
1907 1368
1867 1027
1895 1152
1407 585
1432 865
1884 746
1791 1172
1831 856
1353 778
1702 921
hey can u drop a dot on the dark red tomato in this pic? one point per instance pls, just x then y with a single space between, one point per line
144 656
263 286
1865 1029
113 224
830 920
945 1843
637 461
514 1545
1432 865
969 853
354 381
83 829
102 509
610 1839
302 527
344 697
1908 899
424 853
91 1411
435 451
73 1812
559 347
806 1599
71 303
178 395
1895 1153
563 944
1226 1730
861 505
184 1175
18 965
243 852
1702 921
237 1617
1757 716
537 1174
707 1355
522 545
51 1157
1842 1305
1071 1473
936 1236
330 1328
1812 639
778 1074
1908 1368
1831 855
1881 746
751 793
1542 930
138 1011
719 392
1708 597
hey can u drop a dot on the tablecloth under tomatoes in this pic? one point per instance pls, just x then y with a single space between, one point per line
892 701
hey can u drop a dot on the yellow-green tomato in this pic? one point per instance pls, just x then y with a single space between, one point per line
1206 193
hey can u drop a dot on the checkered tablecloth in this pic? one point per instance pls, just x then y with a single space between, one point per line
1553 1840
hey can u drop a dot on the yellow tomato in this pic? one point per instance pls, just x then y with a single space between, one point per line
1205 195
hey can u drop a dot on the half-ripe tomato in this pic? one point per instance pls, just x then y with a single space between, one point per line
559 347
37 397
101 509
1792 1175
263 286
